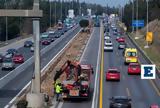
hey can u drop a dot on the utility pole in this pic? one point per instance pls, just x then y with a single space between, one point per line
50 13
61 9
147 46
132 15
6 19
55 12
137 16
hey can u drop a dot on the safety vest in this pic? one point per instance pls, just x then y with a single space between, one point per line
58 89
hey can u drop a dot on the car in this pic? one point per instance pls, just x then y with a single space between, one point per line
18 58
8 55
45 41
12 51
108 42
120 102
113 74
108 47
52 39
1 58
106 37
28 43
134 68
154 106
122 45
8 64
121 39
32 48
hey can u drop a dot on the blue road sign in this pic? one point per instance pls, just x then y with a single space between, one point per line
138 23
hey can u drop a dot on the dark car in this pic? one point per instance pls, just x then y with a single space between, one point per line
8 64
120 102
1 58
57 35
28 43
122 45
12 51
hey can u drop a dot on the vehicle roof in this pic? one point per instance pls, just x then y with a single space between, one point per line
131 49
112 69
85 66
120 97
154 106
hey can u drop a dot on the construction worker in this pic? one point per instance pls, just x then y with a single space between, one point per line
58 90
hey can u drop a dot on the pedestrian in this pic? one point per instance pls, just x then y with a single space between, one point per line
58 91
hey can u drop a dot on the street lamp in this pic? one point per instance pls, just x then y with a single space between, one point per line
132 15
50 13
6 19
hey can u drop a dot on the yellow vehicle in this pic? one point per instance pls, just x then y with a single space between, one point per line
130 55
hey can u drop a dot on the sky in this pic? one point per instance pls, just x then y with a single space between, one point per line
110 3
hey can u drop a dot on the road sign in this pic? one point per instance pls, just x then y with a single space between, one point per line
138 23
148 71
149 37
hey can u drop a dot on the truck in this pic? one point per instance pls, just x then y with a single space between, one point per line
60 25
77 81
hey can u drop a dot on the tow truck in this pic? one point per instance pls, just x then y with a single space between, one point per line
77 81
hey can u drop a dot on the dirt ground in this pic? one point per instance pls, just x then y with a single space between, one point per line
73 53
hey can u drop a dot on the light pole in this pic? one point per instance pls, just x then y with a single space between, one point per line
61 9
50 13
147 46
55 9
132 15
137 16
6 19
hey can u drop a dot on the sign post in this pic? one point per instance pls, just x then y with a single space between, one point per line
137 23
149 39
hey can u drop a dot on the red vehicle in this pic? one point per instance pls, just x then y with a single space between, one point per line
76 84
121 39
113 74
134 68
154 106
45 41
18 58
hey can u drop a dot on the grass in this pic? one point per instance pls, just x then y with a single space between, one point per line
151 52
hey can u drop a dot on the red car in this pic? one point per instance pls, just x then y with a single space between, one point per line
45 42
113 74
134 68
121 39
18 58
154 106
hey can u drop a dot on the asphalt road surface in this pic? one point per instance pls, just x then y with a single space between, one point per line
15 85
90 57
140 91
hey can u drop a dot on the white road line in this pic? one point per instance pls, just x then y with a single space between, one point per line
27 85
60 104
128 92
95 94
82 57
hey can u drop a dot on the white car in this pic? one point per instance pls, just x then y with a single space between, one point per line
108 48
106 37
108 42
32 48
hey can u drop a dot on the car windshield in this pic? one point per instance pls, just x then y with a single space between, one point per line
131 54
113 71
135 66
121 100
7 60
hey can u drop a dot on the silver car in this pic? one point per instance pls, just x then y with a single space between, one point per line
8 64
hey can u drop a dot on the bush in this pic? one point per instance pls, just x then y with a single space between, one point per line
84 23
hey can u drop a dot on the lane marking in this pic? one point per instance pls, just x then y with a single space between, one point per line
128 92
96 83
154 86
60 104
82 57
101 68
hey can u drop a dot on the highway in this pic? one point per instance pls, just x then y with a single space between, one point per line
90 56
8 91
140 91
